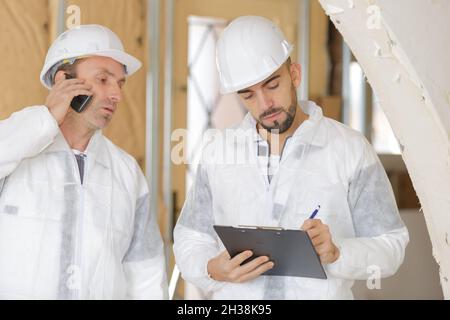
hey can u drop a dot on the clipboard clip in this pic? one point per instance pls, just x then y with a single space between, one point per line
260 227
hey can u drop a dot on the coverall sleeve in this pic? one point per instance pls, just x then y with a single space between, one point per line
144 263
195 242
23 135
381 236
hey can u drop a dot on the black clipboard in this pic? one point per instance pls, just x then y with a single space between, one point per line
291 250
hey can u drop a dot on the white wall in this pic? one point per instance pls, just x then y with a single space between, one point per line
418 277
404 49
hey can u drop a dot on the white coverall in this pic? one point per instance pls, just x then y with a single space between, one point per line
60 239
324 163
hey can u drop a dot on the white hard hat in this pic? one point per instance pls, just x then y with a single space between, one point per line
249 50
82 41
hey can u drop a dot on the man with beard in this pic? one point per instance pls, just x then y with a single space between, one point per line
302 162
74 208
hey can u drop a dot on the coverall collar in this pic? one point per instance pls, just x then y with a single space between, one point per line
95 149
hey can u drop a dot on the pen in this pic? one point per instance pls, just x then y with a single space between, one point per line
313 214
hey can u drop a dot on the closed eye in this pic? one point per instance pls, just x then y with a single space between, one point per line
102 80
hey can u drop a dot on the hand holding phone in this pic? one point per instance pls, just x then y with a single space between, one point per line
81 102
62 93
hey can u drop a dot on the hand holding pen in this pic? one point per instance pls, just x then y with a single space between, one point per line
320 236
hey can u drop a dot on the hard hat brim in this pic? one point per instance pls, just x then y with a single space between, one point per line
131 63
257 79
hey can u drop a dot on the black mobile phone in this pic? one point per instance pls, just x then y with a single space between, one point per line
79 103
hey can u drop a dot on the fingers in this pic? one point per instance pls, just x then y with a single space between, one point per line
315 229
257 272
320 239
70 85
77 86
60 96
75 93
310 223
76 89
313 233
66 83
71 91
251 265
248 271
241 257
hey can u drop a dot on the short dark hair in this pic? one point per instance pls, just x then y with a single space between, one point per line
288 62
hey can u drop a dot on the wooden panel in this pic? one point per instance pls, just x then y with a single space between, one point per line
318 51
331 106
23 46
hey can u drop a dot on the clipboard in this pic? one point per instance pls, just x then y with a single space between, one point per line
291 250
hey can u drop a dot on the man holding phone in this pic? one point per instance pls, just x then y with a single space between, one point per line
74 208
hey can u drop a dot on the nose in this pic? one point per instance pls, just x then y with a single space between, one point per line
115 93
265 102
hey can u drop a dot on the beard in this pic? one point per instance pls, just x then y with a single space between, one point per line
281 127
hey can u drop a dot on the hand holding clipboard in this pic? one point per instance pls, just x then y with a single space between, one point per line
277 251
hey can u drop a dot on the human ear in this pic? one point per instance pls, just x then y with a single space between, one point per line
296 74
